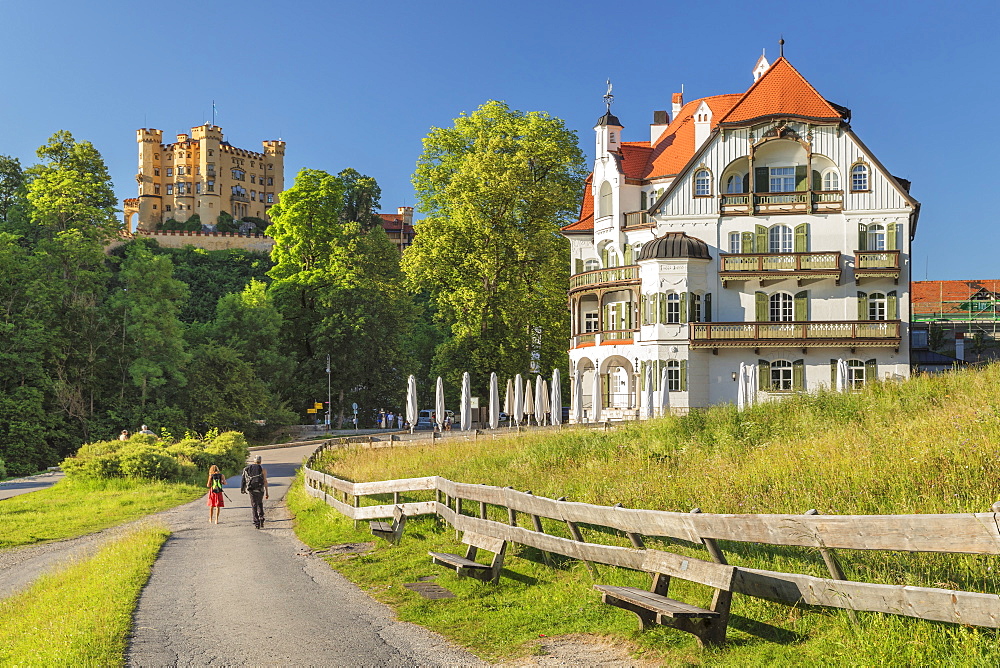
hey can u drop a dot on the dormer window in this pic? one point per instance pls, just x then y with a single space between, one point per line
831 180
702 183
604 207
859 177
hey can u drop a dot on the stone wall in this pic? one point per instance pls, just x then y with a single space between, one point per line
210 240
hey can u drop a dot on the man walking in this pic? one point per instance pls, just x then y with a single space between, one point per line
255 484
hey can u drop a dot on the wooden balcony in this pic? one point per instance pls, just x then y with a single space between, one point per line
604 278
876 264
804 201
638 219
823 334
780 266
611 337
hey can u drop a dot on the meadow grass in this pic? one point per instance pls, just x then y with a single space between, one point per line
73 508
928 445
82 615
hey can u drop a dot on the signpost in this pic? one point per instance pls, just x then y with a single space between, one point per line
354 407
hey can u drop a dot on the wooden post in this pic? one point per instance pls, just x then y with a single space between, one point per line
715 633
712 547
536 521
574 531
395 498
832 565
636 539
357 504
482 510
458 511
511 514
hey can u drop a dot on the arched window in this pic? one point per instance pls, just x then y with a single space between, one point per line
604 207
702 183
673 308
855 374
876 306
781 376
673 376
876 237
779 239
831 180
735 185
591 264
781 307
859 177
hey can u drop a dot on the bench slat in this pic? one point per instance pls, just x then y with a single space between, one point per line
457 560
380 526
484 542
663 605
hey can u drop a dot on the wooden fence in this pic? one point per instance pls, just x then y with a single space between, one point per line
970 533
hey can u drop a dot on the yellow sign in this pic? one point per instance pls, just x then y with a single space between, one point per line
310 410
317 405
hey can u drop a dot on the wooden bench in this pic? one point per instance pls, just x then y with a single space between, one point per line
467 565
654 607
391 532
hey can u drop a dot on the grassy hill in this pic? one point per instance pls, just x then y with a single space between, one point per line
928 445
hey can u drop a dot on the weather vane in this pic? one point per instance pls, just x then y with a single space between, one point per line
608 97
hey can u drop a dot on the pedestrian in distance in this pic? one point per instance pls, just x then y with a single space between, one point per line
146 431
215 501
255 484
124 435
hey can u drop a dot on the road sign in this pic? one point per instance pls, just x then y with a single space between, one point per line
318 405
310 410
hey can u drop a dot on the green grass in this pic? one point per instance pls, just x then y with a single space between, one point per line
73 508
80 616
928 445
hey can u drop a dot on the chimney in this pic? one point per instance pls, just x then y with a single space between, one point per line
660 122
960 346
678 102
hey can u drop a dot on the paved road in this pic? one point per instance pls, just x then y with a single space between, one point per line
30 484
228 594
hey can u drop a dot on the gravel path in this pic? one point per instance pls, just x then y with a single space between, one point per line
227 594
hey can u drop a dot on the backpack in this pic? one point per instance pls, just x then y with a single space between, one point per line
255 481
216 483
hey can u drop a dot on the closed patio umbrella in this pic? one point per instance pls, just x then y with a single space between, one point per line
555 409
494 402
541 400
648 379
753 384
439 404
518 399
508 402
411 402
529 401
596 394
841 375
578 398
466 402
664 392
741 387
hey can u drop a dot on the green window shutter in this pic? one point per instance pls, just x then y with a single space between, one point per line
760 242
642 376
579 266
802 238
891 238
817 181
604 257
764 375
799 375
708 307
862 306
862 237
746 243
801 313
833 374
683 307
684 375
642 200
606 390
892 306
760 181
761 303
801 182
871 371
662 297
628 254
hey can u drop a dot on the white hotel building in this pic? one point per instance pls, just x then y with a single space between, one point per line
753 227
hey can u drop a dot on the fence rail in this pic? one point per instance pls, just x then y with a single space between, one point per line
960 533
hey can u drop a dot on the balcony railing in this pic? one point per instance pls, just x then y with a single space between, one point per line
796 334
615 276
618 335
793 202
776 266
876 264
598 338
581 339
638 219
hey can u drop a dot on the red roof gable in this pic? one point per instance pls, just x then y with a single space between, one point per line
675 146
586 221
635 159
781 91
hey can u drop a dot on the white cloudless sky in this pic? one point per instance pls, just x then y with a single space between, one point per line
360 84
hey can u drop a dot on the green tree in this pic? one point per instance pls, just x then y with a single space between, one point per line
11 185
495 188
362 197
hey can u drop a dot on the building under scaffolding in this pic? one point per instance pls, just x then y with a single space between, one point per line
965 313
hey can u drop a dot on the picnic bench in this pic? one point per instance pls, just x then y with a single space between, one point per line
468 565
654 607
391 532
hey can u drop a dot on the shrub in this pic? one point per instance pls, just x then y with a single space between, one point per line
148 461
3 469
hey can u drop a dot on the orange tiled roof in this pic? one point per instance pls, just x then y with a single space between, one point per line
781 90
946 297
586 220
674 148
635 159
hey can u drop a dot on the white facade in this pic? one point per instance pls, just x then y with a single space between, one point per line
805 256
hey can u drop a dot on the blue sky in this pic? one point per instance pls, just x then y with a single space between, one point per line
360 84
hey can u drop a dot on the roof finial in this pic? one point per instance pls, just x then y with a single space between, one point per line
608 97
781 47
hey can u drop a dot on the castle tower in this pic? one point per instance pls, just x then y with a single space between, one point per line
274 175
150 208
209 203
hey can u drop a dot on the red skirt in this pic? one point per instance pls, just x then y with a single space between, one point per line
215 500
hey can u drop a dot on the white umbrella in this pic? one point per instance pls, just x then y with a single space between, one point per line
541 400
648 379
753 384
494 402
841 375
466 402
555 409
411 401
529 402
664 392
597 401
578 398
508 402
439 404
518 399
742 385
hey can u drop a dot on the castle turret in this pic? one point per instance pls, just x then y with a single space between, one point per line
209 137
150 207
274 151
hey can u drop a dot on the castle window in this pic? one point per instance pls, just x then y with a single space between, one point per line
180 170
253 178
156 171
702 183
859 178
253 195
211 186
156 156
197 188
270 181
270 198
154 207
211 151
170 188
166 208
170 171
239 174
156 189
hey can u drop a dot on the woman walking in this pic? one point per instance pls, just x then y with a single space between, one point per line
215 502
